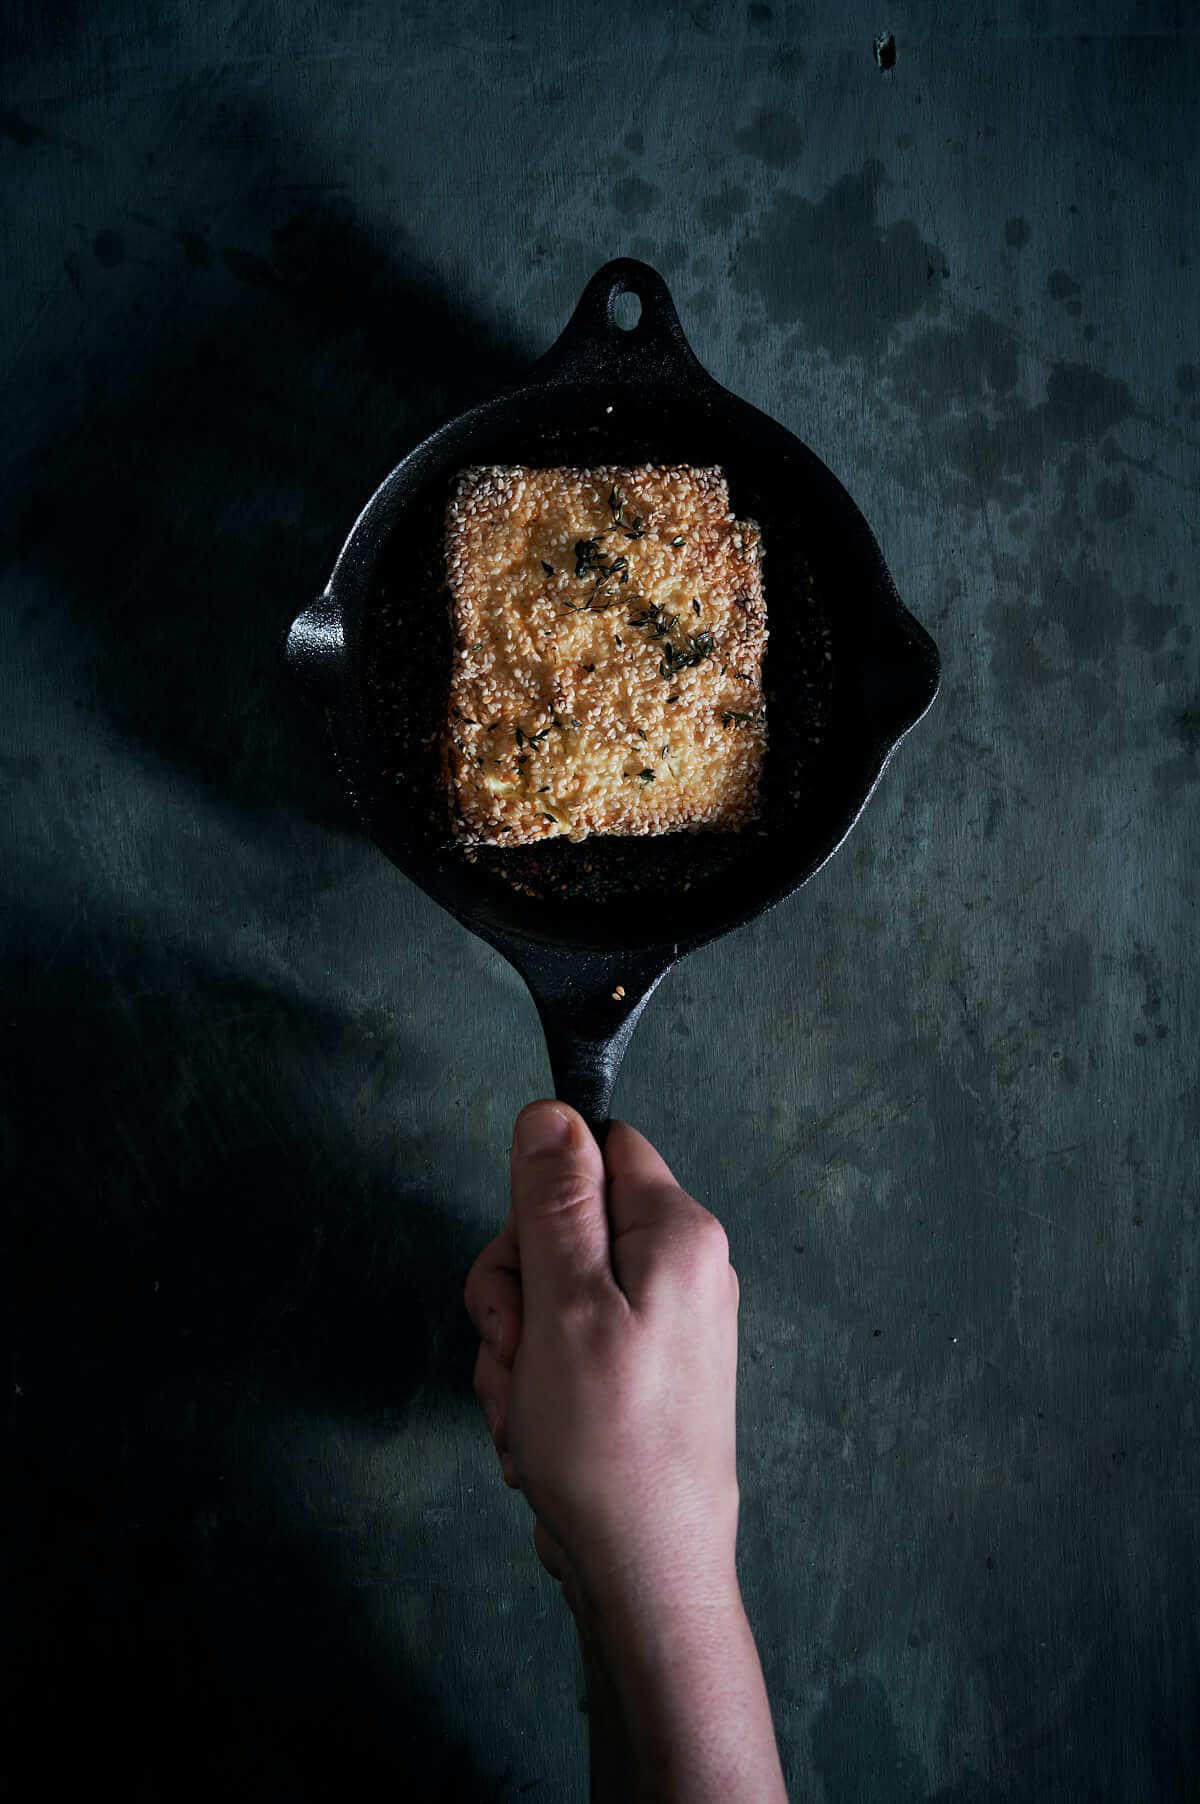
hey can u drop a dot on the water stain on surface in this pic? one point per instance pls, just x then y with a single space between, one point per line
1010 452
1085 602
1154 622
1085 400
1060 286
959 385
774 137
1186 728
833 268
722 209
633 195
1057 619
1017 233
946 367
1178 775
1114 499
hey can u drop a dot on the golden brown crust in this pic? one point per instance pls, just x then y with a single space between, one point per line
590 695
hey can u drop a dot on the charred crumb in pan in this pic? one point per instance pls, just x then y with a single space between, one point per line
606 621
408 661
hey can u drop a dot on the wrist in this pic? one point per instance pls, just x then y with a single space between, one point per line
632 1614
673 1562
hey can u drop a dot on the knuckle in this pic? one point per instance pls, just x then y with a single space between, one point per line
712 1242
580 1314
564 1195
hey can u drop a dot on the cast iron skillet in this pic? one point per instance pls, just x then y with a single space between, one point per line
593 928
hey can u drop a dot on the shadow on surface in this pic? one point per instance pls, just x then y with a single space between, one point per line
285 367
187 1239
190 1255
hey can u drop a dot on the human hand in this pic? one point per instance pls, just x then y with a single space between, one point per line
607 1312
607 1365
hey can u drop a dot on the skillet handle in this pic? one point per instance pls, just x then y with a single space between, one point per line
589 1004
593 346
585 1066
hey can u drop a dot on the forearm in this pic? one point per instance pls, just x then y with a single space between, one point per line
681 1704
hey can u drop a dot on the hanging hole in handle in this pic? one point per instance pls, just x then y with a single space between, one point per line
624 315
625 310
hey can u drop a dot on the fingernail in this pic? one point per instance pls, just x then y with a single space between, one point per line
539 1129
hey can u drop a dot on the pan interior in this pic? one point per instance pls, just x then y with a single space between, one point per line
609 890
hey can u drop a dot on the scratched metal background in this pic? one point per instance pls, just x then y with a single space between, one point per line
259 1091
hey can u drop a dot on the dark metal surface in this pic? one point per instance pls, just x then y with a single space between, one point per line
257 1089
609 394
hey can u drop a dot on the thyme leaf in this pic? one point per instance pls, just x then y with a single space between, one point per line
684 657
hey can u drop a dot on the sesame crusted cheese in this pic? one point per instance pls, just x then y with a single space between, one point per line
609 629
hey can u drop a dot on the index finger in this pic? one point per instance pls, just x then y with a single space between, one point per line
493 1295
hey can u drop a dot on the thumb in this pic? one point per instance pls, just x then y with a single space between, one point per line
559 1216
